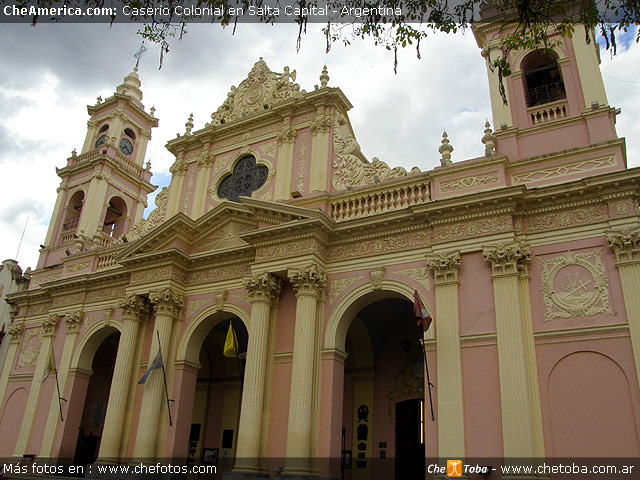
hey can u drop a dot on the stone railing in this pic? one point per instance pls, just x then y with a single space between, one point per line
383 198
547 113
106 261
120 159
67 237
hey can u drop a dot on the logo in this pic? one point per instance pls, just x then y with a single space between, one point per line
454 468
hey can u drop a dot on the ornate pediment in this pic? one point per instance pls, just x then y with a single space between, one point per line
220 229
259 91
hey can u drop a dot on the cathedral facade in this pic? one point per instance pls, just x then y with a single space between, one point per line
527 258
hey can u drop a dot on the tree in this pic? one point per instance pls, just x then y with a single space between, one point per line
527 24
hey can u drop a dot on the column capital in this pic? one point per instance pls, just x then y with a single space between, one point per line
166 301
15 331
134 306
445 267
264 287
73 321
205 159
310 281
49 324
507 259
625 244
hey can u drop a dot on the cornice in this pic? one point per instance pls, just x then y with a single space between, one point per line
465 166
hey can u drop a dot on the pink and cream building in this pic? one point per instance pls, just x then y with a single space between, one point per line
528 259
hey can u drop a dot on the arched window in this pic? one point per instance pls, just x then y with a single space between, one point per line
542 78
115 217
246 178
72 212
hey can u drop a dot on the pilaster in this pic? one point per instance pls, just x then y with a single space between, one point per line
517 430
178 171
205 160
309 286
73 321
263 291
286 141
56 218
626 246
449 375
167 305
15 334
320 141
134 310
49 325
93 208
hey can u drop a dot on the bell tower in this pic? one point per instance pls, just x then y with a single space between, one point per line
555 98
104 189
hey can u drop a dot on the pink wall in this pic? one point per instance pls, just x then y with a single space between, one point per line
11 418
477 311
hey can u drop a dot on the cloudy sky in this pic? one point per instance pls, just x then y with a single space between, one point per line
48 74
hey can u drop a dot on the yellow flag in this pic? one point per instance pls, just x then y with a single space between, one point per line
50 368
230 343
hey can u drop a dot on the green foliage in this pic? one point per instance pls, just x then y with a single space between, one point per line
523 24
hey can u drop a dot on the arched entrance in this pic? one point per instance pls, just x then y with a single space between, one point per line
383 401
218 393
96 398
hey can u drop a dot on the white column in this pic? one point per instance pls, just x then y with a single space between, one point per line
263 290
517 430
167 305
134 308
309 285
626 246
449 363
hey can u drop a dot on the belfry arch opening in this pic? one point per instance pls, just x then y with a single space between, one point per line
383 400
115 217
213 430
72 216
542 78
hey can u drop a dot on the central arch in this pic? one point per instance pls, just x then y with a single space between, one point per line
380 381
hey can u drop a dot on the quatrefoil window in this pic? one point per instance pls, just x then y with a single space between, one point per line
247 177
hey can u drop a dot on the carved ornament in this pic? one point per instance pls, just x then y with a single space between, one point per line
310 281
564 170
574 285
352 170
321 123
179 167
134 306
376 276
193 306
468 182
30 350
15 331
259 91
155 218
263 288
166 301
49 324
378 246
73 321
338 286
445 267
287 135
578 216
507 259
472 228
420 275
625 244
205 159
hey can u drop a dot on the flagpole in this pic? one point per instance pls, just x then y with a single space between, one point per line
55 371
164 377
237 348
426 367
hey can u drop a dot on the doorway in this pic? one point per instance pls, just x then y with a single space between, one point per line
410 439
